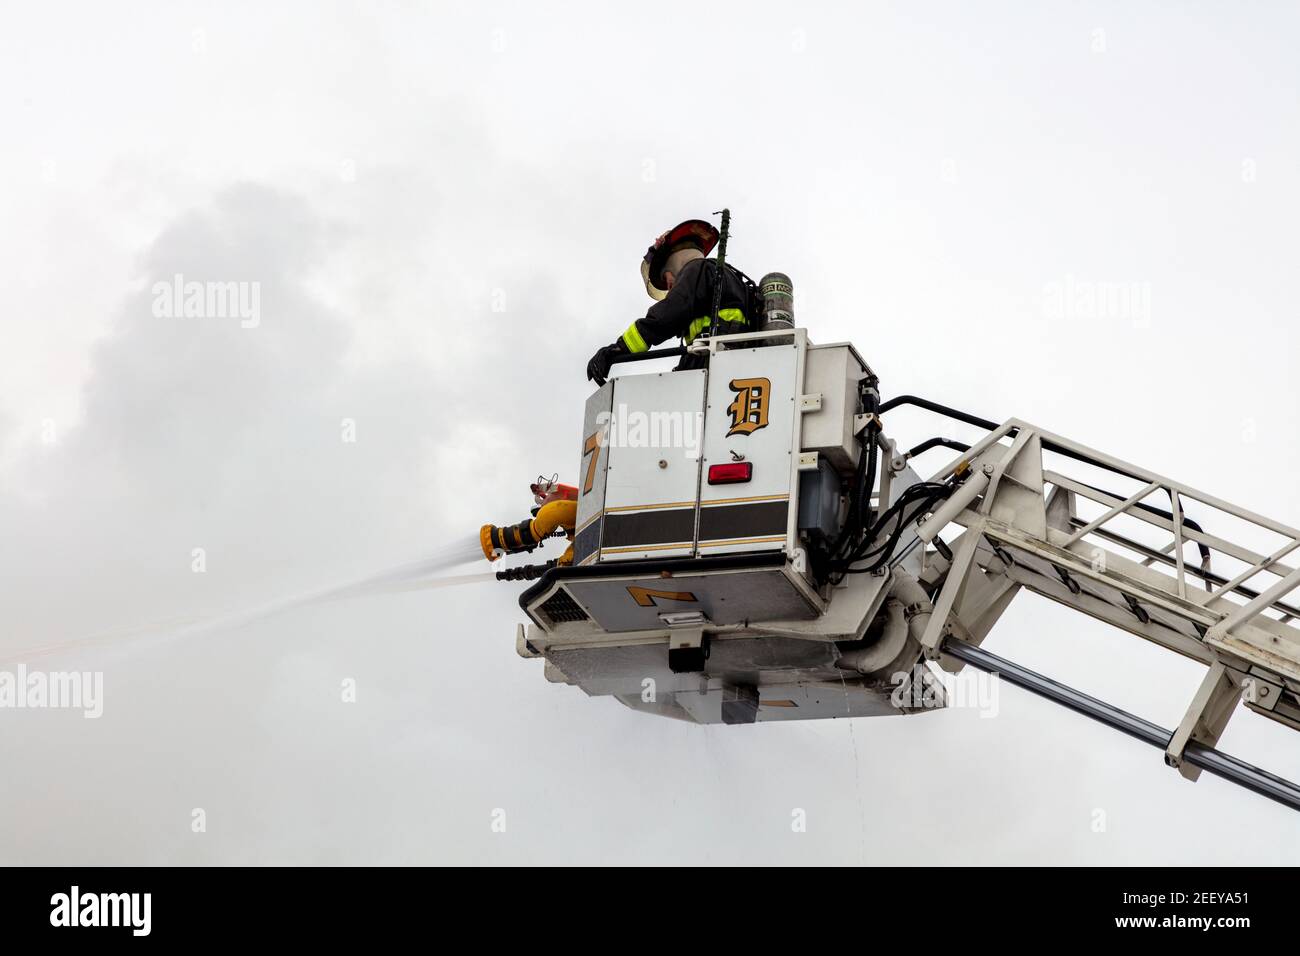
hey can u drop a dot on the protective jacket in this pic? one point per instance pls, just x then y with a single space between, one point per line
687 310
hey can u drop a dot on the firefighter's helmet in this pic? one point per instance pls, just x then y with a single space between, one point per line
695 232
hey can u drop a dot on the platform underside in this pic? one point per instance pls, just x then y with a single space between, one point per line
795 679
762 650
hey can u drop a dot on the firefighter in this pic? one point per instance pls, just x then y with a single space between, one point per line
681 279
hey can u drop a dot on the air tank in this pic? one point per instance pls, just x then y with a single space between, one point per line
778 302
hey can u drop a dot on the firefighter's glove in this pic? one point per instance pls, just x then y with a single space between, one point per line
599 366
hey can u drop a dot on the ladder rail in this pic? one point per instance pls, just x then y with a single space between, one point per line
1209 577
1213 542
1037 539
1185 490
1195 753
1176 525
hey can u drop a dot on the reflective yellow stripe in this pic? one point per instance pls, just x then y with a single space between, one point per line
699 325
632 339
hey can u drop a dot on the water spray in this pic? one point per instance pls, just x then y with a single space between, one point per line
410 576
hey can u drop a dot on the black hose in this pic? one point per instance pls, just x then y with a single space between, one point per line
984 423
936 407
924 494
864 480
525 572
935 443
870 406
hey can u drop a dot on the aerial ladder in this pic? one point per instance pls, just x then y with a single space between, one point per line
790 563
1053 532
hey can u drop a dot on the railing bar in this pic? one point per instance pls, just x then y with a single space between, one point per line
1159 521
1209 577
1098 522
1145 475
1257 567
1177 509
1265 600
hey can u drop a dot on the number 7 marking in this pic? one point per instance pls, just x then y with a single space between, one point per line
591 447
646 597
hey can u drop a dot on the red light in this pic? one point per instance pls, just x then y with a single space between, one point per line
733 472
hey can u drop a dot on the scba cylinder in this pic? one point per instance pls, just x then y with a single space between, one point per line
778 302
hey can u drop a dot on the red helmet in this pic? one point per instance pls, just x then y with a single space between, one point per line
696 232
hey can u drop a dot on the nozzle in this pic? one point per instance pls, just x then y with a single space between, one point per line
510 539
485 534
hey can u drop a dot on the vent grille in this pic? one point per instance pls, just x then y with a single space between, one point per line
559 608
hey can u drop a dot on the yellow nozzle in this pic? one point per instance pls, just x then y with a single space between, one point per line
485 539
528 534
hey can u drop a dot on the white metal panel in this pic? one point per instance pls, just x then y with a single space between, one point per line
833 373
591 475
654 459
749 416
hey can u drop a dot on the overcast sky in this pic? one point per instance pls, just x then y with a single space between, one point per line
444 206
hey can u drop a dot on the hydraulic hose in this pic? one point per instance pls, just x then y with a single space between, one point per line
860 515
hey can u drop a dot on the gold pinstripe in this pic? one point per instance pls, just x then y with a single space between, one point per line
648 547
732 501
721 544
668 504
